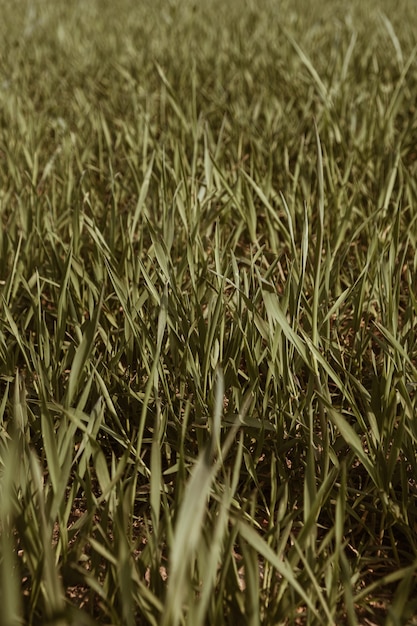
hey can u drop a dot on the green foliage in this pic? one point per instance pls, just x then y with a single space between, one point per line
208 312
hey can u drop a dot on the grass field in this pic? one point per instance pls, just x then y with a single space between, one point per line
208 312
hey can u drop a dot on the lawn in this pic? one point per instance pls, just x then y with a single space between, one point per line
208 312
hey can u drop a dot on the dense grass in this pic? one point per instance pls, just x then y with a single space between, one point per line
208 313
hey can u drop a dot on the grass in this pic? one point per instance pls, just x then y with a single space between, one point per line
208 313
